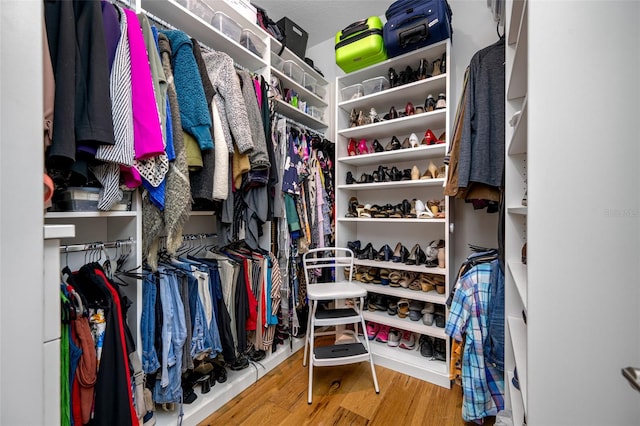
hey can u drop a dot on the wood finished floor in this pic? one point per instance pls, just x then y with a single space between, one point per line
342 395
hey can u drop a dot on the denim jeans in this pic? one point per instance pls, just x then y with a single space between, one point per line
174 334
494 343
150 361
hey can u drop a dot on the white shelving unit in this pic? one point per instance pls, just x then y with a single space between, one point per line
380 231
516 281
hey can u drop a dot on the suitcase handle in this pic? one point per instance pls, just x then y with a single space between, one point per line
411 19
354 28
413 35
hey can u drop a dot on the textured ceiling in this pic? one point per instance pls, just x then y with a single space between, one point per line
322 19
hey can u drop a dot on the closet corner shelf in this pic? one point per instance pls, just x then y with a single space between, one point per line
72 215
522 210
422 152
518 332
400 127
517 87
182 18
518 142
517 406
303 93
399 95
519 273
288 55
411 363
299 116
515 20
390 220
395 184
59 231
400 266
424 296
222 393
404 324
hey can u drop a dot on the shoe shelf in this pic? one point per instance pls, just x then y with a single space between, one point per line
402 126
221 393
389 220
423 296
517 407
395 321
518 271
410 362
181 17
72 215
415 92
518 333
521 210
298 115
517 86
400 266
423 152
518 142
303 93
396 184
516 16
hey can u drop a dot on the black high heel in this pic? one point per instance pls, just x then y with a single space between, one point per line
416 257
352 210
393 113
400 254
384 254
395 143
350 178
368 252
377 147
395 174
406 174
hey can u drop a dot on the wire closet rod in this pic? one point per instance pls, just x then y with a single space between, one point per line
95 246
295 123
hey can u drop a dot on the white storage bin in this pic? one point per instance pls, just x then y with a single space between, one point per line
320 91
227 26
201 9
352 92
276 62
293 71
316 112
309 82
375 85
250 41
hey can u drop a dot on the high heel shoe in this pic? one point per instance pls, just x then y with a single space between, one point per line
424 69
350 178
430 103
393 113
422 212
406 144
443 63
377 147
431 253
394 174
380 175
431 172
415 174
393 78
352 211
363 148
409 109
354 245
441 102
368 253
384 254
406 174
351 147
353 118
400 255
429 138
436 68
413 140
416 257
393 144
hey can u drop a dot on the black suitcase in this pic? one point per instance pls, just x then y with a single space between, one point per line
412 24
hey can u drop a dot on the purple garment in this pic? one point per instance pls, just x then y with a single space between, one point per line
111 23
147 133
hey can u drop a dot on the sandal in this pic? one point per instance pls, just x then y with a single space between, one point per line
351 147
407 278
403 307
352 209
365 211
422 212
394 278
415 284
393 307
384 276
426 283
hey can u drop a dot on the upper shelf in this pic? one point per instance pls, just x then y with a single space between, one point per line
515 20
518 142
59 231
398 96
399 63
306 95
288 55
519 273
182 18
395 184
518 76
299 116
399 155
400 127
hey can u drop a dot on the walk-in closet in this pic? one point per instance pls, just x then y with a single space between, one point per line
194 154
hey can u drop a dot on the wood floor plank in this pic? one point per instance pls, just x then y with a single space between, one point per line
342 395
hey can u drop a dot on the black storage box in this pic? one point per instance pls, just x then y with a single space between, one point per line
295 38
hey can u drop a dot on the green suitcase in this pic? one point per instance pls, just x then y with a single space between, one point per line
360 45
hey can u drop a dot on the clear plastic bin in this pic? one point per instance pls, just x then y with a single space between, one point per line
293 71
309 82
250 41
320 91
276 62
352 92
201 9
316 112
227 26
375 85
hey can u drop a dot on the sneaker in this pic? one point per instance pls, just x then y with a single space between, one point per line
408 340
383 334
439 350
394 337
372 330
427 318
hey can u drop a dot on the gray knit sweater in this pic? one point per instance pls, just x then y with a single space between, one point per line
229 100
258 158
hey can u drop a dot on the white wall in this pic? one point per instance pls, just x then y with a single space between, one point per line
473 29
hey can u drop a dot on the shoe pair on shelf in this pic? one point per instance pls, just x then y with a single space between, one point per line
432 104
433 348
430 138
391 336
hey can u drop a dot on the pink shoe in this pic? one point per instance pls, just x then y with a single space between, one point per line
372 329
383 334
363 148
408 340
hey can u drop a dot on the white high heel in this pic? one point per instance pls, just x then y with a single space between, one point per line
422 212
